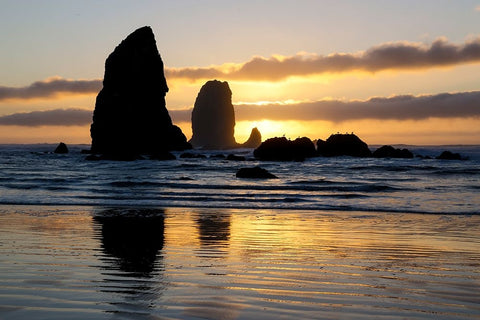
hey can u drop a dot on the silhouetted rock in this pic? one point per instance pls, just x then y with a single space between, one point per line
61 148
217 156
255 173
343 145
448 155
254 140
391 152
130 114
282 149
233 157
213 117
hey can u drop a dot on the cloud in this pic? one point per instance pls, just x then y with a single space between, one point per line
57 117
388 56
407 107
477 8
50 87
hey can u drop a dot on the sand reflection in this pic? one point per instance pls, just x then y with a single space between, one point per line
213 228
132 240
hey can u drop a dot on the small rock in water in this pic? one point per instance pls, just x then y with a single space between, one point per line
255 173
448 155
61 148
391 152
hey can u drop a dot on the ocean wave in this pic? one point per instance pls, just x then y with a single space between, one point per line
274 205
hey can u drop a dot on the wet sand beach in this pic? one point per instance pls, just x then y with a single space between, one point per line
184 263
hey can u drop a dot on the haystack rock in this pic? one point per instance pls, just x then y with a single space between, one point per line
130 116
213 117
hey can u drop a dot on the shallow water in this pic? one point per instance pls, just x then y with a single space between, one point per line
193 263
29 176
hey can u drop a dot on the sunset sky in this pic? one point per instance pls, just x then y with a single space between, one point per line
390 71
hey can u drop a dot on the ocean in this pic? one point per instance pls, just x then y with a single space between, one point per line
31 175
331 238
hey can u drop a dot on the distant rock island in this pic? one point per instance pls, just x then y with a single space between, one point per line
213 119
130 116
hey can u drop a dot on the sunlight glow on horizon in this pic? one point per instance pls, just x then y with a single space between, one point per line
336 51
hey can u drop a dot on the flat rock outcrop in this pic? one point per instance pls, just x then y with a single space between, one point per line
343 145
283 149
391 152
130 115
213 117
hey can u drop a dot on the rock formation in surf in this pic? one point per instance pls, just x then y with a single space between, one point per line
255 173
343 145
254 140
448 155
283 149
213 119
130 116
61 148
391 152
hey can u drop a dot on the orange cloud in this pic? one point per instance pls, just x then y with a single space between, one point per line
388 56
405 107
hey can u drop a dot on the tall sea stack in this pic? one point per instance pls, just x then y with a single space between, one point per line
213 117
130 116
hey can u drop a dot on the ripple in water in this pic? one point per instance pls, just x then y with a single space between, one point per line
149 263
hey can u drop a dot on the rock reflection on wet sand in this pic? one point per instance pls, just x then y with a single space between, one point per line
92 263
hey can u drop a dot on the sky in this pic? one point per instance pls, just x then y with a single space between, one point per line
392 72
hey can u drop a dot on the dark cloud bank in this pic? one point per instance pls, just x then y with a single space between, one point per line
50 88
445 105
57 117
390 56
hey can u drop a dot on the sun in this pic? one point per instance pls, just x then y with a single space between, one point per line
268 129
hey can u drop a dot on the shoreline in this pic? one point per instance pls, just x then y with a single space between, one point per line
246 208
177 263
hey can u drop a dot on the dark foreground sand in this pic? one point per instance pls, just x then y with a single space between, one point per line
86 263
